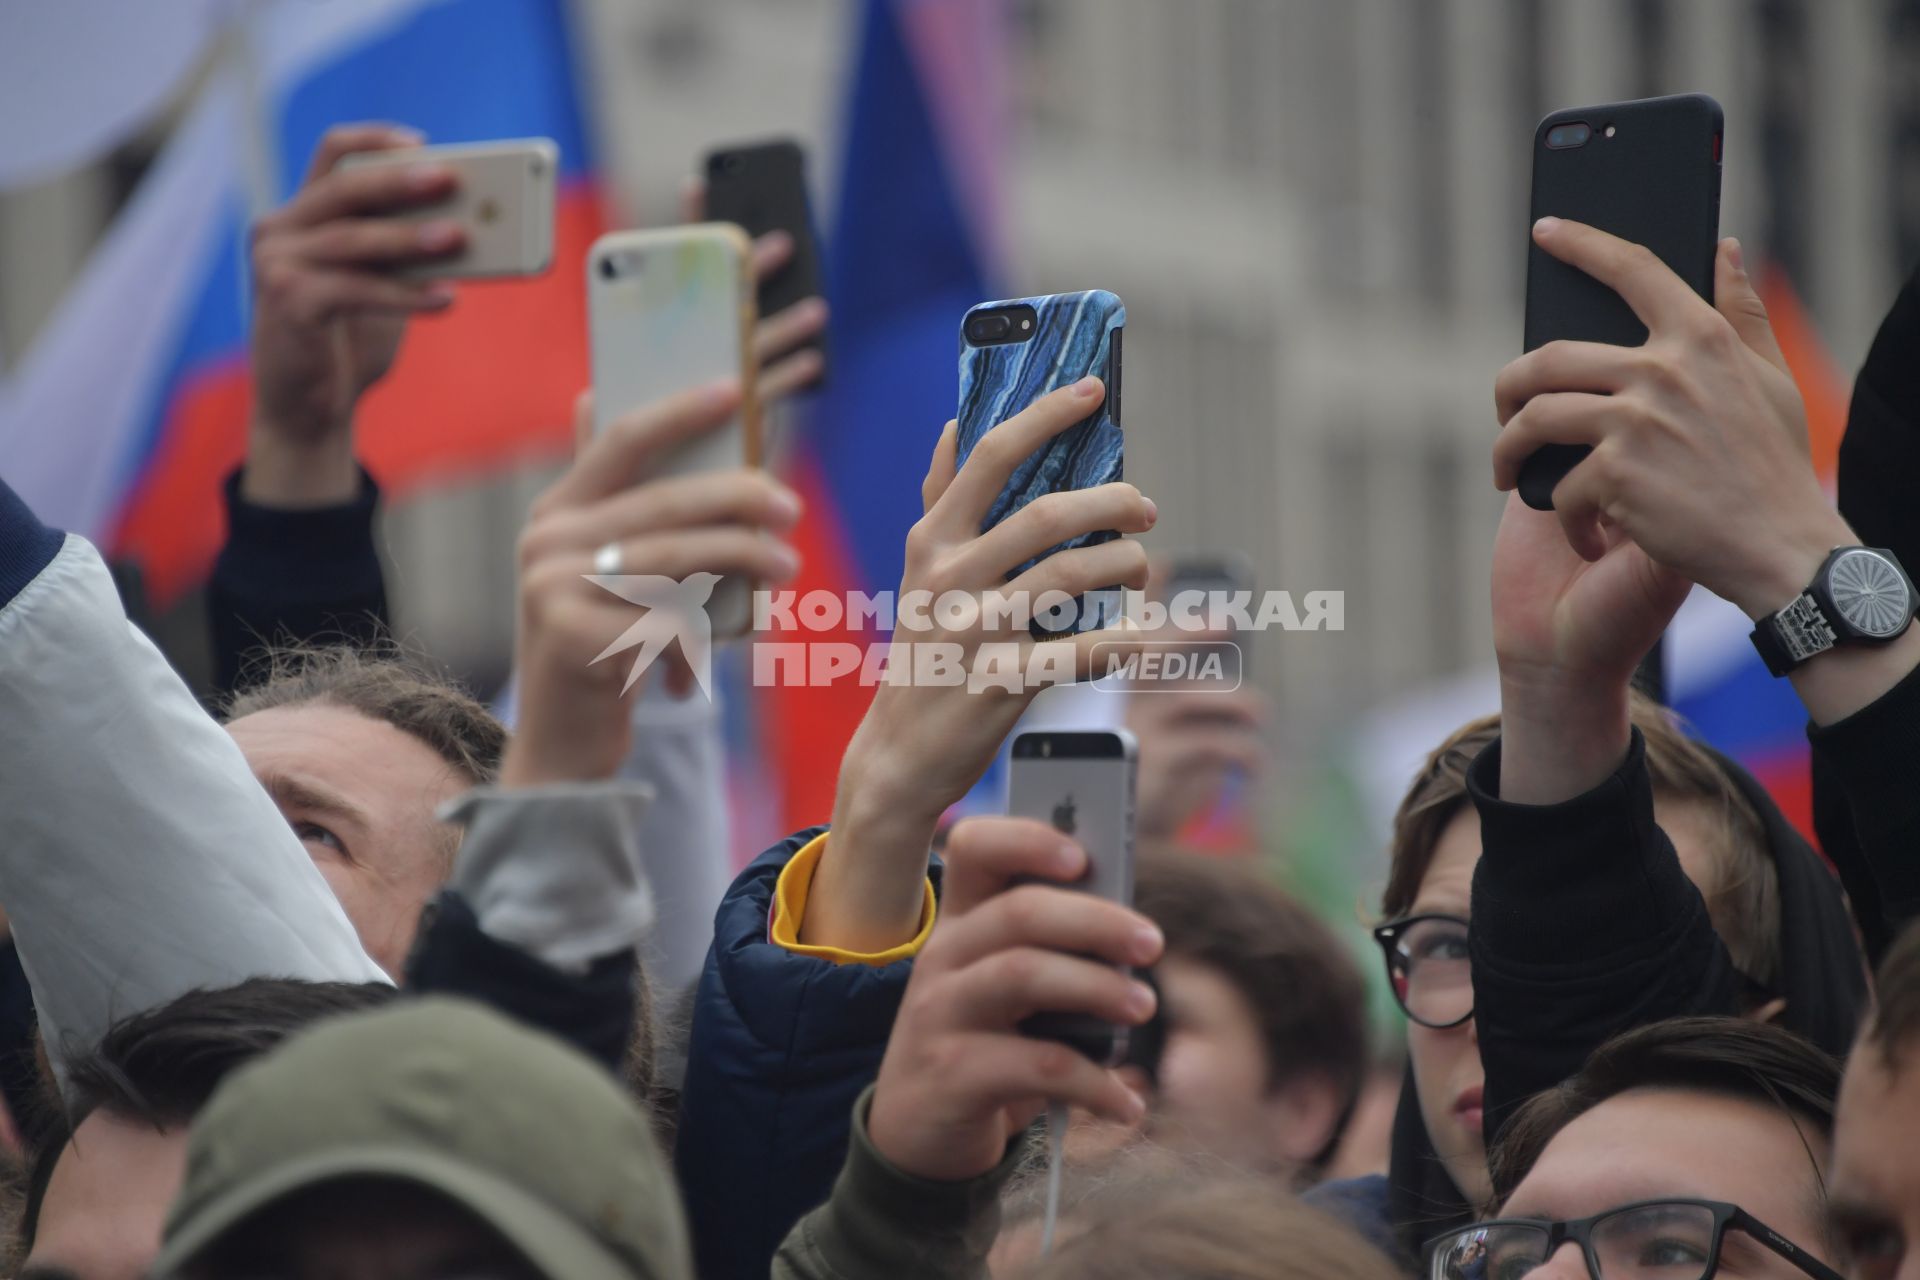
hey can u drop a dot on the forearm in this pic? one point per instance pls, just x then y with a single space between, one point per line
292 472
868 894
142 858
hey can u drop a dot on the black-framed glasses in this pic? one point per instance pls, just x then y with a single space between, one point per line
1427 968
1648 1240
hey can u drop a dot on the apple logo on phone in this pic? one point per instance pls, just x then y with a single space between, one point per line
1063 815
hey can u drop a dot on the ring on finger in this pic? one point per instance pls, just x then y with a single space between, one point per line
607 561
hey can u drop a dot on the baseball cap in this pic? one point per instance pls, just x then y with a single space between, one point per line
531 1137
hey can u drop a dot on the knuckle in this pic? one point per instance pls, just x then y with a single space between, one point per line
1054 1061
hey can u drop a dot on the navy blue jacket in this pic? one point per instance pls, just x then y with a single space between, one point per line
781 1047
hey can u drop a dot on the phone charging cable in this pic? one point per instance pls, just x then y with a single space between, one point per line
1056 1156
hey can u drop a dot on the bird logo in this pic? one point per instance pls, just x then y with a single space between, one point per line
674 610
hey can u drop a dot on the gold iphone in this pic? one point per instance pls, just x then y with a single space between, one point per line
505 200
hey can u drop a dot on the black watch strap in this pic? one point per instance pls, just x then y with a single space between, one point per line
1796 633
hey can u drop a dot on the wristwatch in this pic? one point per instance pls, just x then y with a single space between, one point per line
1860 595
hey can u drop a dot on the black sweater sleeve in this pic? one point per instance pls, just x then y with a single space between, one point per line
308 576
593 1011
1873 758
1584 926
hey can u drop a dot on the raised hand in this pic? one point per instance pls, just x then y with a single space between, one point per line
575 711
921 746
328 315
958 1080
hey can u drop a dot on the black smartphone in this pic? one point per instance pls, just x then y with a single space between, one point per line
1082 784
1646 171
762 187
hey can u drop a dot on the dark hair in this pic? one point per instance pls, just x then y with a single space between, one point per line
1895 1023
1745 903
1733 1057
158 1068
1303 986
1237 1229
385 684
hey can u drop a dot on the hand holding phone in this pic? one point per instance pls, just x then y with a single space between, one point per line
958 1080
1647 172
502 198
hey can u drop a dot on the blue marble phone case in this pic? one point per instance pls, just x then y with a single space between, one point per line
1074 334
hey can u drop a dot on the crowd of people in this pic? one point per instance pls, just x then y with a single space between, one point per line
355 980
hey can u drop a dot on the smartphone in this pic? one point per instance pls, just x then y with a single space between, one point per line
1646 171
1011 354
669 310
505 201
1082 784
1202 578
762 187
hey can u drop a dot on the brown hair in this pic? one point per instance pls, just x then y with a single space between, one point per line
1236 1229
1734 1057
1895 1024
1744 904
1303 986
384 684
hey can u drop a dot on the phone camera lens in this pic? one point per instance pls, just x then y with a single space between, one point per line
607 269
1563 136
989 328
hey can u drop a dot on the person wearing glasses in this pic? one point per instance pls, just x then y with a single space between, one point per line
1683 1150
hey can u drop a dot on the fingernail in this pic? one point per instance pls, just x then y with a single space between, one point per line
1087 386
441 295
1546 226
1140 1001
407 134
1136 1106
789 558
1069 860
425 177
776 240
786 502
721 392
1153 512
1146 943
1735 258
442 234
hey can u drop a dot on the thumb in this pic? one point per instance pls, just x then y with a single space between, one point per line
1736 299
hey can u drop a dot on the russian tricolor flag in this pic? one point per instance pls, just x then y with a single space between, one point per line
132 406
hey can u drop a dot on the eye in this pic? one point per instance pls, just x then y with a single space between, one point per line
314 833
1872 1252
1671 1253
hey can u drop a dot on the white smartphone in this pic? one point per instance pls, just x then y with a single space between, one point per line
505 200
1081 783
669 310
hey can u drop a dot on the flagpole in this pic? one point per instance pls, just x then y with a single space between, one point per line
259 139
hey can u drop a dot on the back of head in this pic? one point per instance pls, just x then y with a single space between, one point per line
1304 987
158 1068
1231 1229
1731 1057
383 684
521 1132
1745 897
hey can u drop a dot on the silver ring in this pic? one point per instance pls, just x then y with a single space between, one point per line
607 561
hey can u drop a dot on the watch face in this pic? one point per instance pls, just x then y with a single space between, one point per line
1869 593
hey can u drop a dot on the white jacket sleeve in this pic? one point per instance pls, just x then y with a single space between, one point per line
140 859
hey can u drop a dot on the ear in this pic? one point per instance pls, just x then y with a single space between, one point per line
1767 1012
1301 1116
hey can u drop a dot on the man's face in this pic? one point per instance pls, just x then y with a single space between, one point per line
1875 1189
361 796
1213 1095
107 1201
363 1230
1447 1076
1654 1144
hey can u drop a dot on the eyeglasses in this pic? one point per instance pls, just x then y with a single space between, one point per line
1427 968
1650 1240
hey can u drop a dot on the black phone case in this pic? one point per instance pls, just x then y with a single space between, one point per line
1655 182
762 187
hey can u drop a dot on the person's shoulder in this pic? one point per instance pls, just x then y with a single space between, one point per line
1361 1203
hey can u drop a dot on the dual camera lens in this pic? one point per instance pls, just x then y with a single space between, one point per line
1002 324
1575 133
